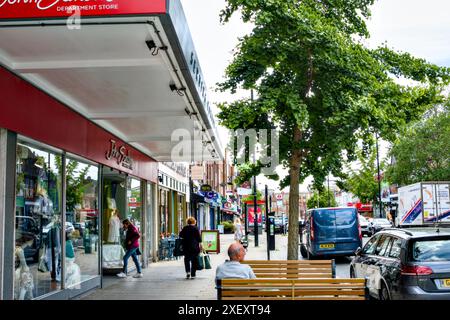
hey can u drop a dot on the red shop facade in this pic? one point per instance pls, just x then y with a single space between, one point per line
66 182
60 169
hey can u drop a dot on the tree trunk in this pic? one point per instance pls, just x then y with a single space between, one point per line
294 173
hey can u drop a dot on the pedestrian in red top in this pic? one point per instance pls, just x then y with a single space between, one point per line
132 246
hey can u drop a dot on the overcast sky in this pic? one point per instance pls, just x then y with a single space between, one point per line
419 27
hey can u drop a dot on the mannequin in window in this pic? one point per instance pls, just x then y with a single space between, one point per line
24 284
53 243
43 205
73 272
114 227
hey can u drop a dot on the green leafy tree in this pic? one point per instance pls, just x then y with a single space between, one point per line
319 86
422 151
76 181
363 182
322 199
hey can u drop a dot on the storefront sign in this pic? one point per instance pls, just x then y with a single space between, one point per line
179 168
211 240
25 9
121 155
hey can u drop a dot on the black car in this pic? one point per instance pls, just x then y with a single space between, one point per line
28 227
378 224
405 264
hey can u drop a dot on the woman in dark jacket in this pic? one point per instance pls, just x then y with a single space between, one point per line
191 247
132 246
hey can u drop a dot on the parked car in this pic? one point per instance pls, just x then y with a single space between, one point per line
330 232
364 224
378 224
405 264
27 226
280 224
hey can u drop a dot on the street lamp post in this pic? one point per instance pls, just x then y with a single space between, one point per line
329 199
378 177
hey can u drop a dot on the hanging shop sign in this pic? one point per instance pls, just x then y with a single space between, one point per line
205 188
120 154
30 9
211 240
197 173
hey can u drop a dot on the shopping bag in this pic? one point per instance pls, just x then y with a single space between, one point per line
200 262
207 261
178 251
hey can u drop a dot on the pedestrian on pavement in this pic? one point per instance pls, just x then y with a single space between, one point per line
132 246
238 232
192 244
233 268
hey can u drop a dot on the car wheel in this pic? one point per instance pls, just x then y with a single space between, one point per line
384 293
303 251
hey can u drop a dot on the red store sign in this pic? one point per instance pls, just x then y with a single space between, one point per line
30 9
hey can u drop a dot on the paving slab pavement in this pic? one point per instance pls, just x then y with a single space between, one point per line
165 280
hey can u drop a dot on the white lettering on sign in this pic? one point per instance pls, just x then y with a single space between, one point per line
122 155
46 4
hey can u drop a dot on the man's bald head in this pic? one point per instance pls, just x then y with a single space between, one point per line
236 252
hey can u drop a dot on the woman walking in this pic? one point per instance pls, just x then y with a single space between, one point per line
191 247
238 232
132 246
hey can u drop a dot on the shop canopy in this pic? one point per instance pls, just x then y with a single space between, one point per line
129 66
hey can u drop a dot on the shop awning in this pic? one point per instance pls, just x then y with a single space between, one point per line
130 67
229 211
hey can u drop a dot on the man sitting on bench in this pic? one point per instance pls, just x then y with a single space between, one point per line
233 269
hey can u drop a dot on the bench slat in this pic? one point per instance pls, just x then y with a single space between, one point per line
296 292
295 281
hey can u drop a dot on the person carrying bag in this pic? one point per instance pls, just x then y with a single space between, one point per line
191 242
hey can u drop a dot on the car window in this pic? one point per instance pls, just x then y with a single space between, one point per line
382 245
431 250
386 249
370 246
325 218
345 217
395 248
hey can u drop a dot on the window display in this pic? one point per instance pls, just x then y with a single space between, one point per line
82 230
114 204
37 222
134 202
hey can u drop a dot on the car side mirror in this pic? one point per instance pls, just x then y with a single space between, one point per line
358 251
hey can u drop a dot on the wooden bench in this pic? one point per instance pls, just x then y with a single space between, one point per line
292 289
293 269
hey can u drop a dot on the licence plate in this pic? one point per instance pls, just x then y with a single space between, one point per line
327 246
446 283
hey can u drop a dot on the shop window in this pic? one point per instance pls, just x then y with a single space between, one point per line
82 237
134 201
38 222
